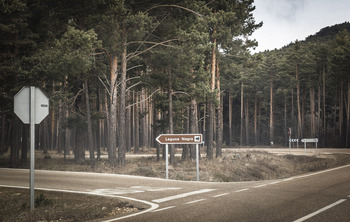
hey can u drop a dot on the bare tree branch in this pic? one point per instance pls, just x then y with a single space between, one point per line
134 67
142 100
176 6
148 49
133 86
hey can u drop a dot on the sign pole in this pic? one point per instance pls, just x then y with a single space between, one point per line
32 145
197 161
290 138
166 161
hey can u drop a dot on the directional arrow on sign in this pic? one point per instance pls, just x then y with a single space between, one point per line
180 139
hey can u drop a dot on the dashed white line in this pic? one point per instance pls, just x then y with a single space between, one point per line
276 182
182 195
220 195
262 185
165 208
237 191
195 201
320 210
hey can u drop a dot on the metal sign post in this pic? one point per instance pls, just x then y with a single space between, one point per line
32 145
197 161
180 139
290 134
31 106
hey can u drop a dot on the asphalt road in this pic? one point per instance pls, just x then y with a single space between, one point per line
321 196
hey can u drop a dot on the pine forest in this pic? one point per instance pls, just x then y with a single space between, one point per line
121 72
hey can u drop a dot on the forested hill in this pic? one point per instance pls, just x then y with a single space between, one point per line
329 32
308 85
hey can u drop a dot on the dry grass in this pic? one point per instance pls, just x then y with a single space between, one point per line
54 206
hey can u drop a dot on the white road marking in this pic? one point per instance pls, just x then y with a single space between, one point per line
262 185
182 195
237 191
220 195
195 201
276 182
324 171
165 208
132 189
320 210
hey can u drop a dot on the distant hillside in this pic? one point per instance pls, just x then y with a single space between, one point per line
329 32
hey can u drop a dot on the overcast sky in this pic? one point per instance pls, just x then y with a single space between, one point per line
288 20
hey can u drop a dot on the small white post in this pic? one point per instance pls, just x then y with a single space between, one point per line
197 161
166 161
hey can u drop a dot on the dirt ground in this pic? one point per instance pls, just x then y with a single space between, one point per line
54 206
235 165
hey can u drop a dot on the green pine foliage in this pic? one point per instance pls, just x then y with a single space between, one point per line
60 46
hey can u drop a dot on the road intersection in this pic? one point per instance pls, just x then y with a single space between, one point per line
324 194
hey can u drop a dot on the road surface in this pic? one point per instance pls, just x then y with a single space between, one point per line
320 196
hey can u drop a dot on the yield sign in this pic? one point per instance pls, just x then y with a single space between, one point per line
180 139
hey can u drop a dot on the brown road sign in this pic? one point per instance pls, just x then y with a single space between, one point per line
180 139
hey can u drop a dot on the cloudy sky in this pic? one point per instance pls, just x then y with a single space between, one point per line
288 20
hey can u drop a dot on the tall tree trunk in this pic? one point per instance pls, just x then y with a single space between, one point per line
158 146
151 138
144 120
170 116
298 99
347 142
272 126
230 117
67 132
219 128
204 126
79 154
334 140
15 143
312 114
341 111
122 123
193 124
318 122
285 120
256 119
53 122
324 106
59 130
5 131
247 122
211 103
242 114
128 125
186 127
112 140
25 141
137 124
88 118
292 116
